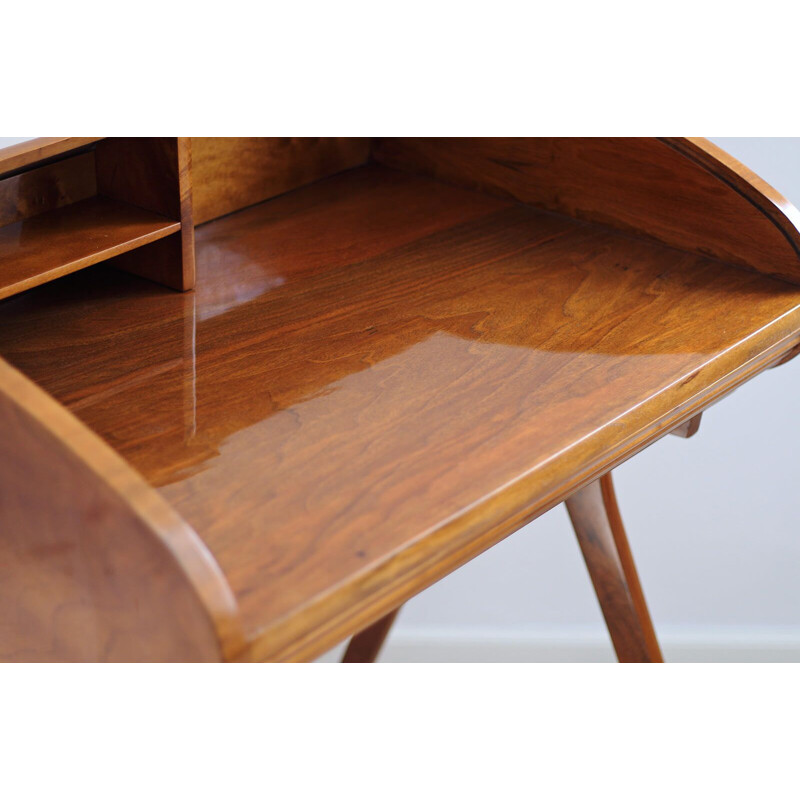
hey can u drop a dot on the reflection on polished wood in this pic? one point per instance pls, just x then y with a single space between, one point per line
380 376
47 188
604 544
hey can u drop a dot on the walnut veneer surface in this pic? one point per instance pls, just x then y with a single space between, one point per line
379 376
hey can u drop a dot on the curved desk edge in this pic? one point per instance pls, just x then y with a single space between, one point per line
100 556
347 609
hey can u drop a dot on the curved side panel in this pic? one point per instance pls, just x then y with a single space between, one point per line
94 565
686 193
769 201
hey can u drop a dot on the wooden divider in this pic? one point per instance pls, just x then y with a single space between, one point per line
67 204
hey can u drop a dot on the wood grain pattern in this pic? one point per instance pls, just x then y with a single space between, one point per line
598 525
366 645
769 201
154 174
141 171
377 339
47 188
186 199
686 193
231 173
76 236
94 565
22 155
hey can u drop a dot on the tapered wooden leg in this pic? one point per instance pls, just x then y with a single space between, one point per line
365 646
598 525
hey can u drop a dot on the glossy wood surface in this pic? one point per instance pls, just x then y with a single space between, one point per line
23 154
388 375
684 192
46 246
94 565
595 517
231 173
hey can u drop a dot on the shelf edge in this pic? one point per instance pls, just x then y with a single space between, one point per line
25 154
96 257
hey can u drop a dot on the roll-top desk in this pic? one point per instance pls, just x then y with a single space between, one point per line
256 393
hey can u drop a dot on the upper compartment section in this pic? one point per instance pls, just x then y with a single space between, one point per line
68 203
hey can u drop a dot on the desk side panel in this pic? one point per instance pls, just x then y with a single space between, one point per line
94 566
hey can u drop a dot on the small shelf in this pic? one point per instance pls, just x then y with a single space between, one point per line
41 248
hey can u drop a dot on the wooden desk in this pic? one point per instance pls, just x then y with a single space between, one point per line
379 374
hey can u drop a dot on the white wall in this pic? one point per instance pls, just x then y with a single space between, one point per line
714 523
6 141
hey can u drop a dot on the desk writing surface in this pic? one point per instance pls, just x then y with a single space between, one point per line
378 338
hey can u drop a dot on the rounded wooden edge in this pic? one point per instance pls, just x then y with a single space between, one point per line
768 200
23 154
187 212
186 548
347 609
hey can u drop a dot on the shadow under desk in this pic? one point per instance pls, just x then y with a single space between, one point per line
379 376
